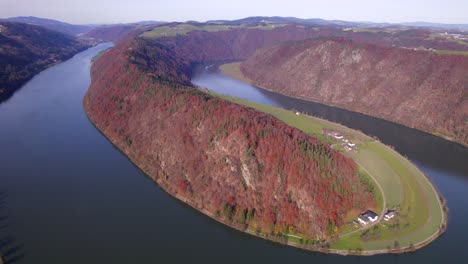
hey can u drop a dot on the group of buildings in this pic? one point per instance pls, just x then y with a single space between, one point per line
370 217
455 36
348 145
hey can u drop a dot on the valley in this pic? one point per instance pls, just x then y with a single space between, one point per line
163 138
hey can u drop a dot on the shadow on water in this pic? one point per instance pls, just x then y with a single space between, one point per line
10 250
6 241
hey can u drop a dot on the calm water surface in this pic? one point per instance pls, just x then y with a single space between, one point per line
68 196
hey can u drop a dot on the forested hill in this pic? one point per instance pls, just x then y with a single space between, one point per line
418 88
110 33
25 50
247 169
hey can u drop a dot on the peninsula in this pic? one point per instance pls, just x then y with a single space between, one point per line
253 167
410 214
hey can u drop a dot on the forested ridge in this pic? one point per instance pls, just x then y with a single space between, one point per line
246 168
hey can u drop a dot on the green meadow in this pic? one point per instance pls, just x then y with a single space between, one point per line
420 213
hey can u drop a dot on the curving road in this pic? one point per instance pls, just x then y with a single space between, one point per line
381 251
384 206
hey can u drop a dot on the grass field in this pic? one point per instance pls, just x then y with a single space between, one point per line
370 30
420 213
452 52
183 29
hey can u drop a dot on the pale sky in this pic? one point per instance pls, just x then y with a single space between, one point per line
123 11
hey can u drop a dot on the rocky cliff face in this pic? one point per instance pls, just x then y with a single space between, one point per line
418 89
240 166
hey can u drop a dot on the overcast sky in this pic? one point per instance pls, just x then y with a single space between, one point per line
122 11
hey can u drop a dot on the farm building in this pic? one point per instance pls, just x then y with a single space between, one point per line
367 217
389 214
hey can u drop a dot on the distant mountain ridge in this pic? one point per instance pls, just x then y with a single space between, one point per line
55 25
340 23
73 29
437 25
277 19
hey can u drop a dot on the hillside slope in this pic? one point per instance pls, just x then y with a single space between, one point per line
25 50
112 33
241 167
419 89
51 24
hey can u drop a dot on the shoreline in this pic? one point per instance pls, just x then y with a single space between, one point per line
323 247
234 73
442 226
318 249
166 188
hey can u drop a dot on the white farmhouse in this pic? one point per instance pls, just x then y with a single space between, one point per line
367 217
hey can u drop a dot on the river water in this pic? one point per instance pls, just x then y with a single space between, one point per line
68 196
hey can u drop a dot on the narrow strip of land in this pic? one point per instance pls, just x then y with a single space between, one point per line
420 212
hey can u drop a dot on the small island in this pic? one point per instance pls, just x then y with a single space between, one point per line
410 213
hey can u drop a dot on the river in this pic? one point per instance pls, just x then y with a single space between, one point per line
68 196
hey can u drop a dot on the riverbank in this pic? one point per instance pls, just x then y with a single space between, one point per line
108 201
422 216
323 247
233 70
351 244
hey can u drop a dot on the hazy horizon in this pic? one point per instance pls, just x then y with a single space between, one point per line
121 11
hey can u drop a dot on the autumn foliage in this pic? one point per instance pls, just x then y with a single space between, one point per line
419 89
241 166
